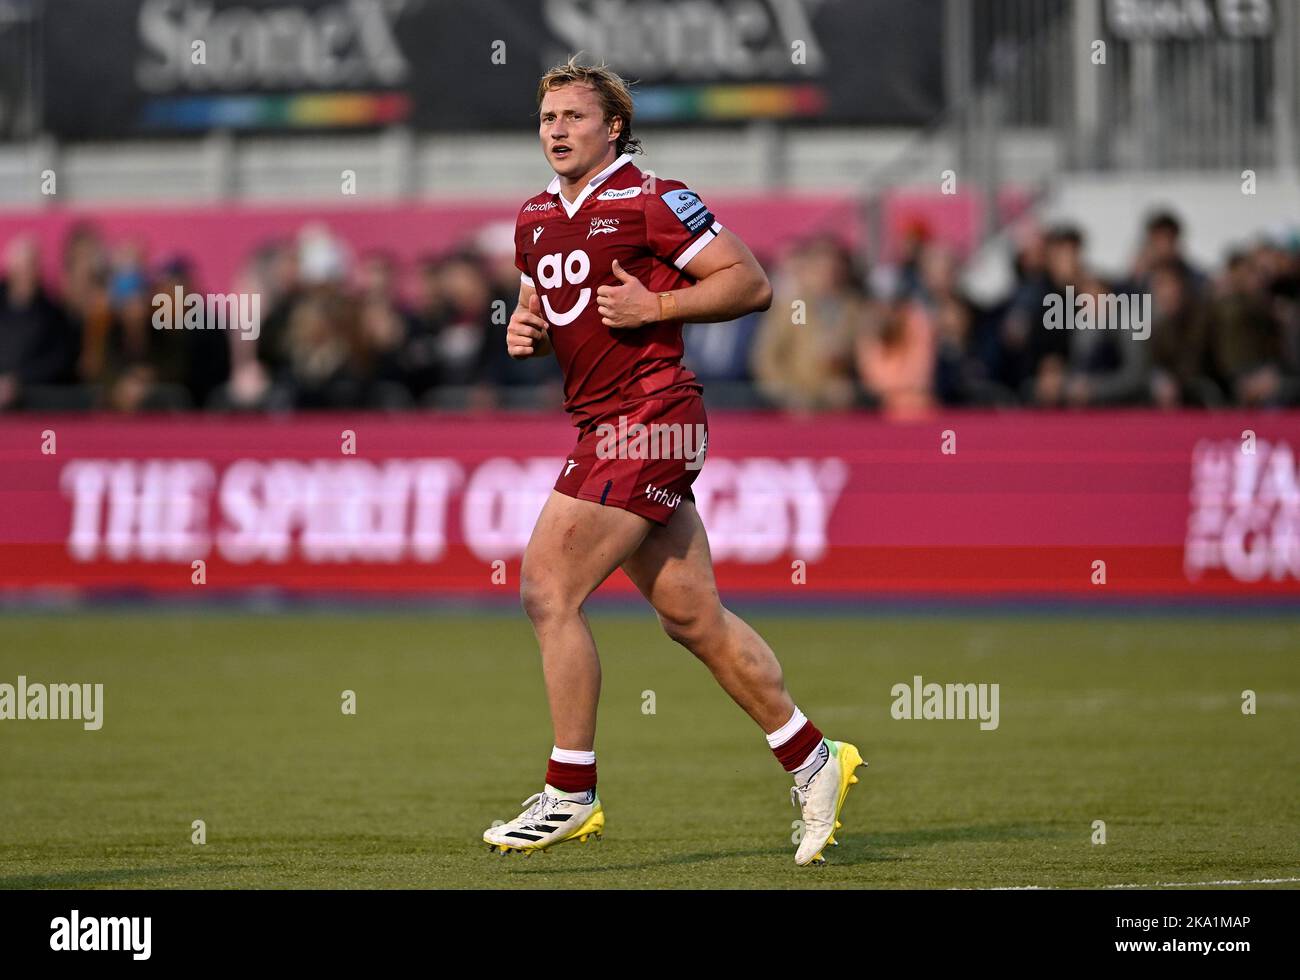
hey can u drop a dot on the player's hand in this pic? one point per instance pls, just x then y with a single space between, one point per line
627 305
526 334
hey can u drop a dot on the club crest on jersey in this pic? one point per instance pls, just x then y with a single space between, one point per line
602 226
689 209
613 195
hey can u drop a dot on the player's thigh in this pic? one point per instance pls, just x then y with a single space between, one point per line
574 547
673 569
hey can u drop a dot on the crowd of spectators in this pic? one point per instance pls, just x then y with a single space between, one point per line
342 331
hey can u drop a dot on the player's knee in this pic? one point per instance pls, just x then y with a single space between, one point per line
532 596
691 628
543 600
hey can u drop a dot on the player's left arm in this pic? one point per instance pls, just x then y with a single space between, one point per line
729 283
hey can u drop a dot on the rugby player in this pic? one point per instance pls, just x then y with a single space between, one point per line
612 262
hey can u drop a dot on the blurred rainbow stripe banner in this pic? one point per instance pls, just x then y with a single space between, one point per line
317 111
679 103
664 103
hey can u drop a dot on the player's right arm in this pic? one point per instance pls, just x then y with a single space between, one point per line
526 335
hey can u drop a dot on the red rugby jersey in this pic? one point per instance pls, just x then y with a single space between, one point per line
653 227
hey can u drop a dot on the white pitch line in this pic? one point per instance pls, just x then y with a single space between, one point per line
1200 884
1154 884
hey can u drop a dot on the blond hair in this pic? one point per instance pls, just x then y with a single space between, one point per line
614 95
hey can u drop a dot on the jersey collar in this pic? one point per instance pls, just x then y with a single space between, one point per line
592 185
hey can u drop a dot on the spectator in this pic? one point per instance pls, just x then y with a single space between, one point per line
896 361
322 367
203 360
459 327
328 342
385 328
38 344
1041 356
719 355
721 351
803 357
1180 341
1162 245
1109 364
540 375
964 340
271 274
85 278
1246 345
274 275
420 357
139 365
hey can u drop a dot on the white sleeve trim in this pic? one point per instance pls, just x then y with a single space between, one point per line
697 246
527 280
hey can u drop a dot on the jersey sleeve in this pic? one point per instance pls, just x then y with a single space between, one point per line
520 262
678 223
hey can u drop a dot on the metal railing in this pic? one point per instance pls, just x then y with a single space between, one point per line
1005 91
19 82
1120 88
1100 96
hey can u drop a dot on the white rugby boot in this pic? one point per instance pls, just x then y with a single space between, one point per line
821 799
548 819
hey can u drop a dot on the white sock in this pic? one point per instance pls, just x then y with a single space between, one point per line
575 757
787 731
812 765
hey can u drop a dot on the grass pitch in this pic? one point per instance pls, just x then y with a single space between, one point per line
235 719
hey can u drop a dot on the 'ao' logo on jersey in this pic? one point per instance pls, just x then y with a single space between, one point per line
553 271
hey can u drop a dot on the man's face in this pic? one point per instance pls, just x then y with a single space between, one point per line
22 262
376 276
1163 245
575 136
1167 291
1064 263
